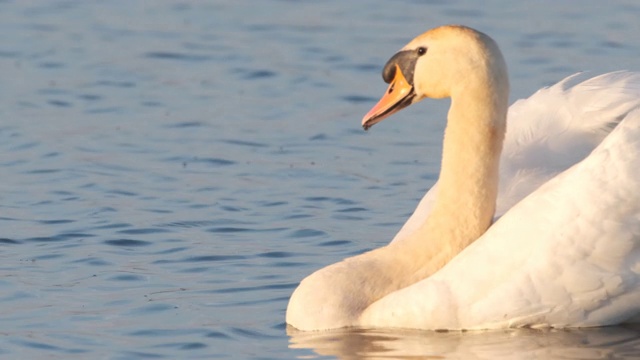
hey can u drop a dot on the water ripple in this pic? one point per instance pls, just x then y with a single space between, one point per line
244 143
116 84
276 254
166 332
47 347
151 309
228 229
93 261
213 258
241 289
356 99
60 237
9 241
127 242
334 243
144 231
218 335
183 346
163 55
127 277
251 333
303 233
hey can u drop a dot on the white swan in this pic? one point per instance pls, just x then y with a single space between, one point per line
565 251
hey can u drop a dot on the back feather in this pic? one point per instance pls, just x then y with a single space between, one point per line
559 126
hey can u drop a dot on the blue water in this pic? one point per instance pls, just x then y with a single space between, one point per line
171 170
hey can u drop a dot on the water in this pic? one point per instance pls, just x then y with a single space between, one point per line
171 170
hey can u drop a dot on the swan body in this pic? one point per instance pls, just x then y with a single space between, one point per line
532 224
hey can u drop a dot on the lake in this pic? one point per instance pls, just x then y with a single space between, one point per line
172 169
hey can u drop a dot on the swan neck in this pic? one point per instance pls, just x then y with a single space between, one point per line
468 183
471 150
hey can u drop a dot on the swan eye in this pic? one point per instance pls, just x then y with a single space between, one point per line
422 50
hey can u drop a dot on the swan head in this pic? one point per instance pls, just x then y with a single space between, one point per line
437 64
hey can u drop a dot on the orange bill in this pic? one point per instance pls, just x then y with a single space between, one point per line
399 95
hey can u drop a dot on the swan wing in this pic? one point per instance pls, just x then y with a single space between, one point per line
550 131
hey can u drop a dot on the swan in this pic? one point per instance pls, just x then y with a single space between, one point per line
534 224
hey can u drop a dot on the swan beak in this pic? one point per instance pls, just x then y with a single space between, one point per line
399 95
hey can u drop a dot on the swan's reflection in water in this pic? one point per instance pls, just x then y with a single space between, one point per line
621 342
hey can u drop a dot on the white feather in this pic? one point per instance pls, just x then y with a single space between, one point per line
550 131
